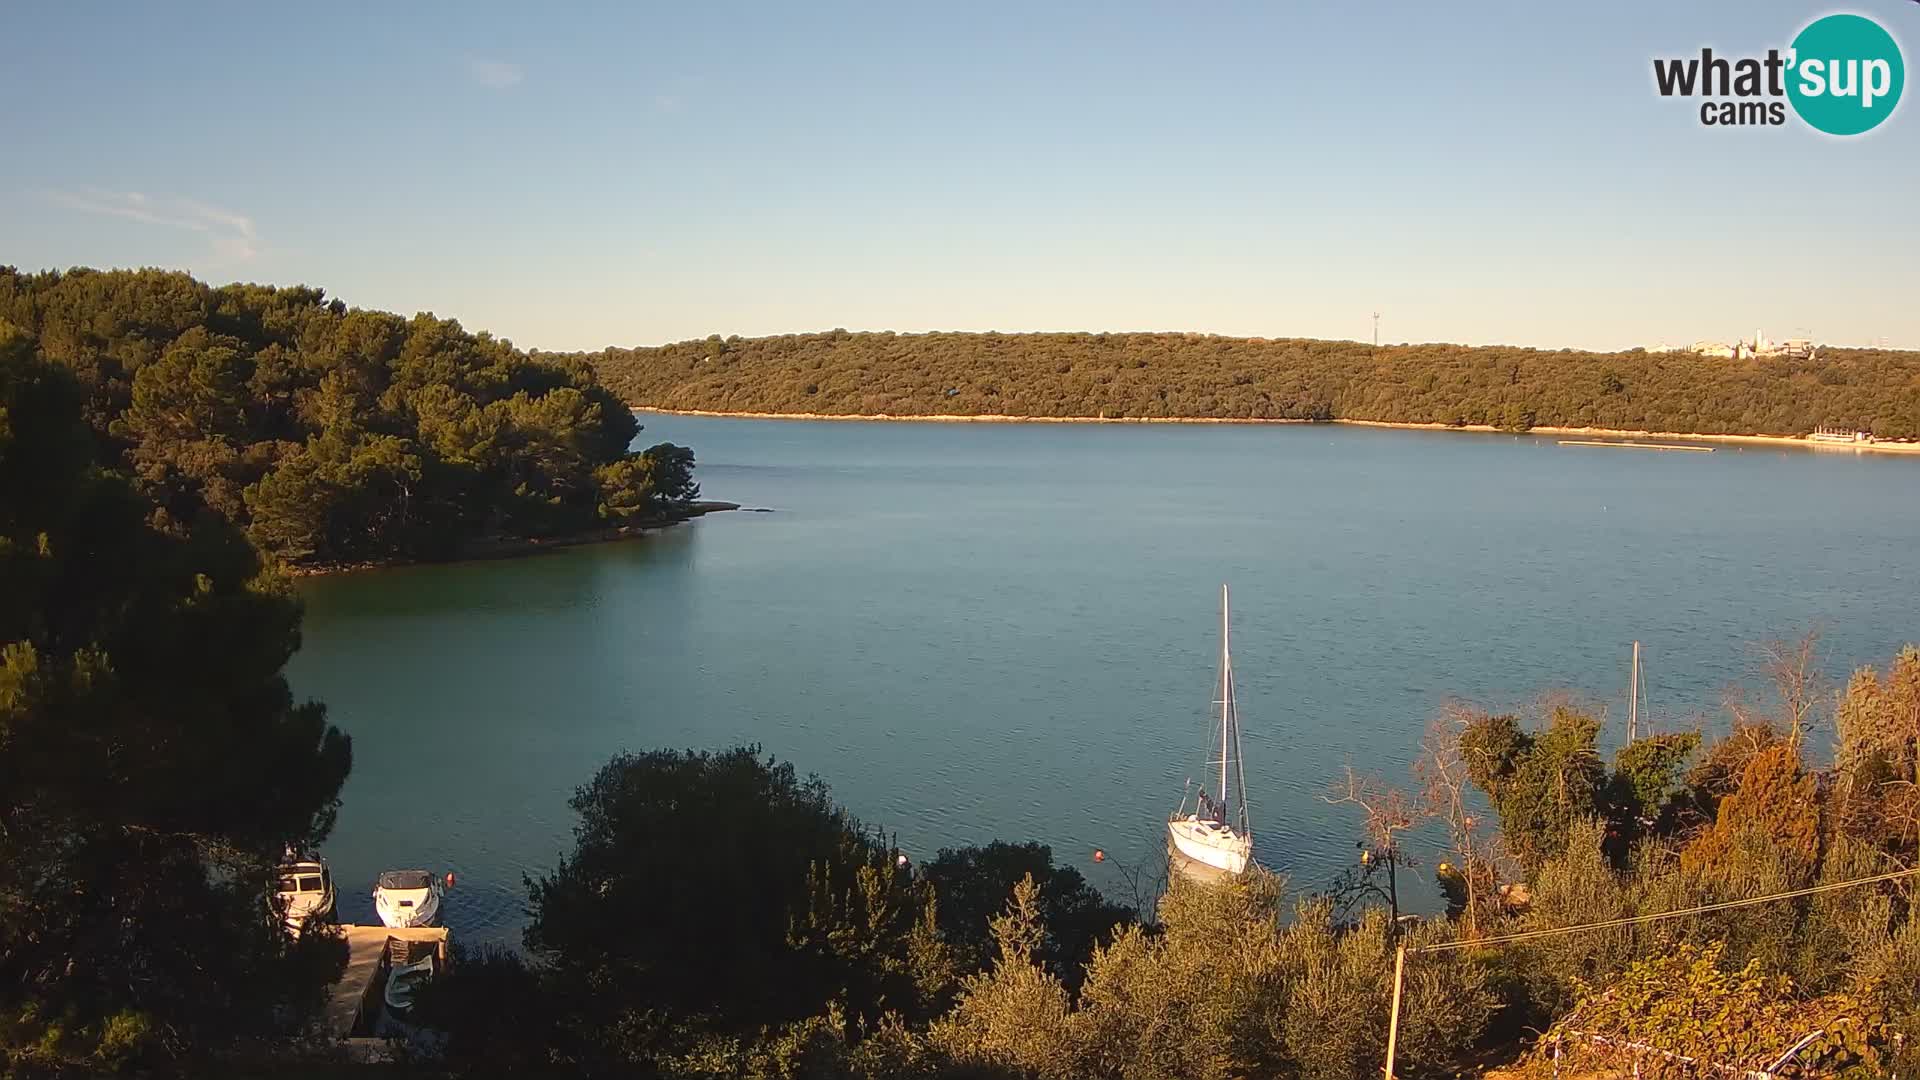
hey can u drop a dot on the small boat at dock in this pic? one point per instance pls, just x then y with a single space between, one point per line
404 983
1211 828
405 898
303 892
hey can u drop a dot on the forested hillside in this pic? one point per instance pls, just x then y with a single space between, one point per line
332 433
1195 375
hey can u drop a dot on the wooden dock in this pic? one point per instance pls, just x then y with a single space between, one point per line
357 1001
1636 445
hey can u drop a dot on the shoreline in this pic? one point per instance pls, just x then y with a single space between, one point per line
1794 441
514 547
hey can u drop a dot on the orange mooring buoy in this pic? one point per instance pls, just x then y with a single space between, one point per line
1099 856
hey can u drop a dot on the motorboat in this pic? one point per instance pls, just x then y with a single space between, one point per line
404 898
1209 828
303 892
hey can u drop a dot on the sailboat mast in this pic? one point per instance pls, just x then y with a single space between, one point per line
1633 698
1226 697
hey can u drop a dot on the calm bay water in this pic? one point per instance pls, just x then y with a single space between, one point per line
980 631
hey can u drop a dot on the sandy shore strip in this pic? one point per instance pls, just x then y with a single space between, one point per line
1800 442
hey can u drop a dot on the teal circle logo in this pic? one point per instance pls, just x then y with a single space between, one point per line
1846 74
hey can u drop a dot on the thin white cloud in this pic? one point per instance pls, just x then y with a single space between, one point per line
231 234
497 74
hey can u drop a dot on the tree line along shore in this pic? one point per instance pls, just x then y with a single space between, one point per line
338 437
1613 434
1164 376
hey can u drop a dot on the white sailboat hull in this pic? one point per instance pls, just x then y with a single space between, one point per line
1211 843
1216 833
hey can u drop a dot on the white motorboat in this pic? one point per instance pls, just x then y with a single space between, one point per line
303 893
405 898
1214 831
405 982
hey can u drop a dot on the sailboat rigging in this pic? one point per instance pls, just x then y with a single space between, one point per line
1216 831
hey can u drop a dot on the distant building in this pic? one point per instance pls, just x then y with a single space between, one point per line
1794 348
1846 436
1759 345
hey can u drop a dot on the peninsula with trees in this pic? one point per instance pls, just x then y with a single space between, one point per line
335 435
1170 376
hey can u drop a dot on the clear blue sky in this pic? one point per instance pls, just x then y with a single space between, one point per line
572 176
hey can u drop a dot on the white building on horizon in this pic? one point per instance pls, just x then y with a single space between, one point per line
1759 345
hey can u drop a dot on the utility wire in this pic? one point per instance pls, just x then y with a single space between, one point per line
1529 935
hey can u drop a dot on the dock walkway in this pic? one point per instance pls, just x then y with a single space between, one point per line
356 1001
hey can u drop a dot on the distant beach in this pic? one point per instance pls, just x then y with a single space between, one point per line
1797 441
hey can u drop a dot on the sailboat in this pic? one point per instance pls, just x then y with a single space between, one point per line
1214 830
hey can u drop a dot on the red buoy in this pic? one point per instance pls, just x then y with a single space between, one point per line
1099 856
449 879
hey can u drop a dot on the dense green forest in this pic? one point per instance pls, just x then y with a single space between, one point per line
1199 375
153 762
334 434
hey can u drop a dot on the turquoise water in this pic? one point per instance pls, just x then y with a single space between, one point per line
979 631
